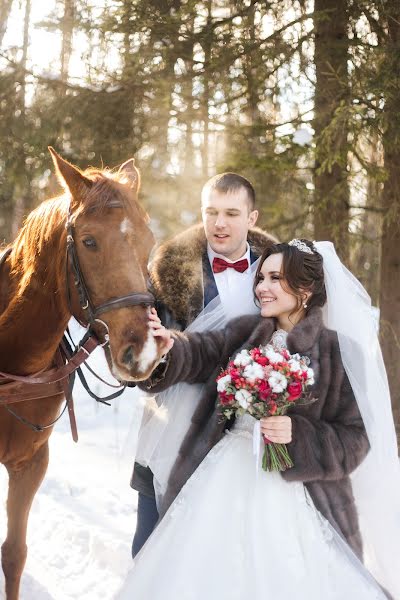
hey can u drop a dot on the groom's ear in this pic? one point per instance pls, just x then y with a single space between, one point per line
253 216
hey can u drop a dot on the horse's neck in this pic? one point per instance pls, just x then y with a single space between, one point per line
5 288
31 326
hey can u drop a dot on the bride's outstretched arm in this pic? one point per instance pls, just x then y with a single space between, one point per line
194 357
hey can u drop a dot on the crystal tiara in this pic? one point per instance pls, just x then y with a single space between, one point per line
301 246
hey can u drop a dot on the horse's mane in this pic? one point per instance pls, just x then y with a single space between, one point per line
44 227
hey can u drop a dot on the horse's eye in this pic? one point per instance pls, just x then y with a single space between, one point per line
89 243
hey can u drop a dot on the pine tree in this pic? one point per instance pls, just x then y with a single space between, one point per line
332 198
390 263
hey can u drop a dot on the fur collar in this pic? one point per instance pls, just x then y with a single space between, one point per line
177 269
301 339
305 334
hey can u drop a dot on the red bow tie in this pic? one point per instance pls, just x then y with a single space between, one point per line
219 265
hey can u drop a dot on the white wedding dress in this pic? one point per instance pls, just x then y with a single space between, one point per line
237 533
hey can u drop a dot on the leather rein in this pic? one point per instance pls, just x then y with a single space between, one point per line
69 357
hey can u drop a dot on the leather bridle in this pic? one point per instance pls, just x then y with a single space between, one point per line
90 311
17 388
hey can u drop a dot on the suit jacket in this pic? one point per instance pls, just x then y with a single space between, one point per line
183 284
329 438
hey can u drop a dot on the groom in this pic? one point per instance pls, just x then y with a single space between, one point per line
192 269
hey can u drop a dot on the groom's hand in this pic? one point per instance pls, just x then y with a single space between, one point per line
166 339
277 429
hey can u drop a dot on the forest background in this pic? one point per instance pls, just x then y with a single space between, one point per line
300 96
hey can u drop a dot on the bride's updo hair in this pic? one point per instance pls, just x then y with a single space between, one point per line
301 272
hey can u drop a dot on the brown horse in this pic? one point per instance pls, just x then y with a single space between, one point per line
38 296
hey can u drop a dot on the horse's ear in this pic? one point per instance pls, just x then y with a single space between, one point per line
70 177
132 174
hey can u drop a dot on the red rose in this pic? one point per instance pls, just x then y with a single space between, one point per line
295 390
234 373
262 360
225 398
264 390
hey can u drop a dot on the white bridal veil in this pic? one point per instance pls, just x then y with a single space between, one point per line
167 417
376 482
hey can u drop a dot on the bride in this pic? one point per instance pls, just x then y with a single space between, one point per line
235 531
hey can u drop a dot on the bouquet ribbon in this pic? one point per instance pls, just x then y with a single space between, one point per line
257 443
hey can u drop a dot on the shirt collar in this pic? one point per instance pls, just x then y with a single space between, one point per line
211 255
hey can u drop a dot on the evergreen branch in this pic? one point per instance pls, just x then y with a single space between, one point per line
292 220
41 78
278 33
373 209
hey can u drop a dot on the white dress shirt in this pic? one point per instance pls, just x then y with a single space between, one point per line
233 287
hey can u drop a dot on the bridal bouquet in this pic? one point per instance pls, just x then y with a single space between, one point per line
265 382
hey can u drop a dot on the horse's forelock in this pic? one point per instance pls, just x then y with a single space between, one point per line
106 191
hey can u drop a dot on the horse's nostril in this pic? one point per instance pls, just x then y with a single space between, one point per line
127 357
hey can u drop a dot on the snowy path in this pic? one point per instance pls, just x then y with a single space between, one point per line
83 517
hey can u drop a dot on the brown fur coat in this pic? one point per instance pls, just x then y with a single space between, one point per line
177 275
329 438
178 279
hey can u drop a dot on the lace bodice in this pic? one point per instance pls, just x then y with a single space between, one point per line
279 339
245 423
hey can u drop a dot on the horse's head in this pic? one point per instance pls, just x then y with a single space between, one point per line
110 235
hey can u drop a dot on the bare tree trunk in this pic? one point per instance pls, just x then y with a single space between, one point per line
365 254
166 32
67 33
390 263
5 9
250 69
187 87
207 47
24 58
331 213
21 190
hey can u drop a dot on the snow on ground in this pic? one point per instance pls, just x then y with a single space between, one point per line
84 515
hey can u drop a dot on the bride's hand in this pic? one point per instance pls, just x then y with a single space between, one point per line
167 341
277 429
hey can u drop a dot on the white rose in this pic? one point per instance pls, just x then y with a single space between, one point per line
242 359
272 355
294 365
310 376
243 397
223 383
277 382
253 372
